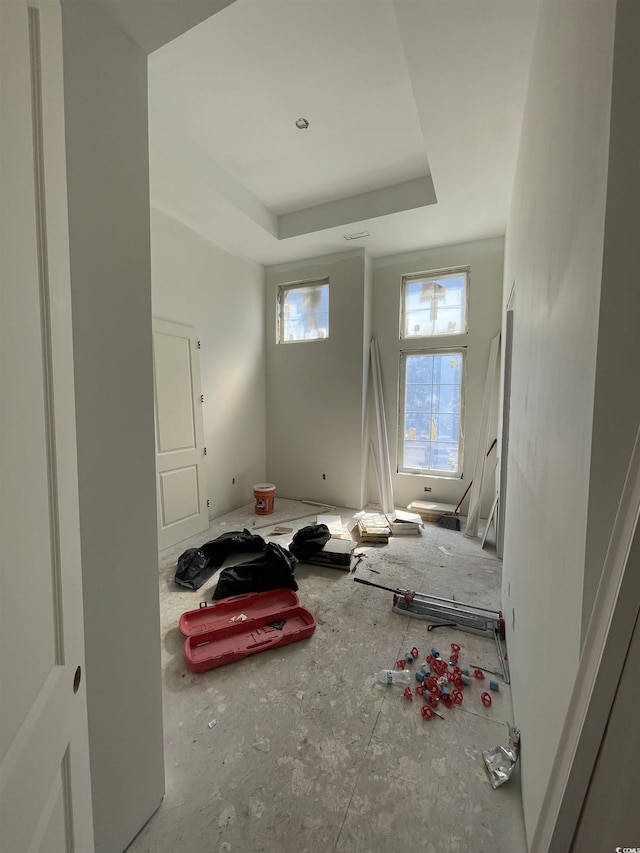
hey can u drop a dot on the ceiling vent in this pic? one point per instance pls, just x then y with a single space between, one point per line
357 235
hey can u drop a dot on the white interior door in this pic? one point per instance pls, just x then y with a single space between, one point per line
45 790
181 485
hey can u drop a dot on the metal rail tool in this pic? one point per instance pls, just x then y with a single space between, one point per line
443 612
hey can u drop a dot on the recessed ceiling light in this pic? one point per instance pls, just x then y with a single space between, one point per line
302 124
356 236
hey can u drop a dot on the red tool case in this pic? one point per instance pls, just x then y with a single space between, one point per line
215 636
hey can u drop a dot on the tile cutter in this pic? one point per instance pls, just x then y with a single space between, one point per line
443 612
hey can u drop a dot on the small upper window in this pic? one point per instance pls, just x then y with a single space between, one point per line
303 311
434 303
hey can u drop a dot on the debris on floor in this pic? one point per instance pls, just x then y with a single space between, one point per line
501 760
263 744
485 669
356 561
394 676
346 750
441 681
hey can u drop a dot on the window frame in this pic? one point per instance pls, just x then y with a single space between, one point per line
407 278
401 467
284 288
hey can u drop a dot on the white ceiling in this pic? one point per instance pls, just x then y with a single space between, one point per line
414 109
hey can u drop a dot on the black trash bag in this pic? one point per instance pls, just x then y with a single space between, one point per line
196 565
309 540
192 568
272 570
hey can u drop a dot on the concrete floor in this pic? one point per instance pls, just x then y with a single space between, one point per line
309 753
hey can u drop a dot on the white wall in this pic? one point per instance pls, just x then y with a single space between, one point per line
201 285
107 168
617 396
485 258
315 389
554 253
317 392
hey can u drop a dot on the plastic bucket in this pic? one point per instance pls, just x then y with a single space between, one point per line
264 496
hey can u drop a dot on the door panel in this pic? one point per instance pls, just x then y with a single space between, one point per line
182 499
45 790
175 423
180 494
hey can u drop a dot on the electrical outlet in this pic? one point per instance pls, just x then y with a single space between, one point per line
427 488
233 481
324 476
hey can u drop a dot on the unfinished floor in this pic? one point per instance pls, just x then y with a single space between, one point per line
309 753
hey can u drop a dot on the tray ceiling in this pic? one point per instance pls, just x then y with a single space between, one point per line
414 111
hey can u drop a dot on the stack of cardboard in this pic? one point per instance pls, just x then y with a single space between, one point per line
405 524
374 527
430 512
337 529
336 553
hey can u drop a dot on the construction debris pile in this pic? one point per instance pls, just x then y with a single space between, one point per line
440 681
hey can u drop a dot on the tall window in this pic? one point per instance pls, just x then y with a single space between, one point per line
431 410
303 311
434 303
